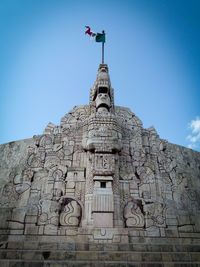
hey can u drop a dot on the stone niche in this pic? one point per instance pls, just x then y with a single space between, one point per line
103 205
99 176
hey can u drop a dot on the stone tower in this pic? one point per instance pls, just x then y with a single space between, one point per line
99 177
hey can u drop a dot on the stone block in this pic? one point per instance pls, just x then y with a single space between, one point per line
162 232
102 219
180 257
70 192
153 256
31 229
41 230
172 233
195 256
152 231
50 230
183 220
4 263
68 246
31 219
48 246
85 255
71 232
13 254
137 247
191 235
134 256
111 247
4 232
113 256
30 245
134 232
15 245
2 255
168 264
31 264
70 255
116 239
16 225
5 216
185 228
192 248
171 221
16 232
93 247
166 257
54 255
32 255
167 248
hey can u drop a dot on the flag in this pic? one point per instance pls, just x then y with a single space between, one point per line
97 37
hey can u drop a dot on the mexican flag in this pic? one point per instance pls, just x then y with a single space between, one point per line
97 37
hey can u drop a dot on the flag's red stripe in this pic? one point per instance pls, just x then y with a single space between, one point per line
88 30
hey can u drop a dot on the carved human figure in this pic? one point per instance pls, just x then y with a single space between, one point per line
70 213
102 100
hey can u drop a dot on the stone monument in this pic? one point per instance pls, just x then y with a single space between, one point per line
99 177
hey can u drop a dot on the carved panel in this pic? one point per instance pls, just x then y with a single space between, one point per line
70 213
134 214
49 212
104 164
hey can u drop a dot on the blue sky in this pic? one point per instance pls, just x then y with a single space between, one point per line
48 64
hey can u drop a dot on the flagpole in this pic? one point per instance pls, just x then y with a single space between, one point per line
103 50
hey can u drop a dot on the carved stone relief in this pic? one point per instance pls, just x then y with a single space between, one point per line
134 214
49 212
70 212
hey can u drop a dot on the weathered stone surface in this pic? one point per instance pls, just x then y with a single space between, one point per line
99 177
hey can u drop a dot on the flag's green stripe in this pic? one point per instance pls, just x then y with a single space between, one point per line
101 37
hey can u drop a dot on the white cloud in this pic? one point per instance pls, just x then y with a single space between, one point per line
194 138
195 125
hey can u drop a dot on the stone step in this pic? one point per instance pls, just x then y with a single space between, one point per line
99 255
86 263
58 254
101 247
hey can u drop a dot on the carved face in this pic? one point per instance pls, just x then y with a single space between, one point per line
102 99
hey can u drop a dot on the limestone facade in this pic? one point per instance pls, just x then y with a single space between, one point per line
99 177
